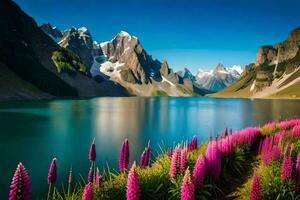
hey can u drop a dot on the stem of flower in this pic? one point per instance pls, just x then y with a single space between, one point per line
49 190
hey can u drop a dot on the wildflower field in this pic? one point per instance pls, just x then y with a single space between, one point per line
253 163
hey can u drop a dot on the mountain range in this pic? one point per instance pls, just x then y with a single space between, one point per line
275 74
40 62
123 60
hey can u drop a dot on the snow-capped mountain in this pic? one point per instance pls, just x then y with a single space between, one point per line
219 78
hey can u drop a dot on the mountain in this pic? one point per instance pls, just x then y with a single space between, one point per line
33 66
124 61
219 78
276 73
53 32
128 63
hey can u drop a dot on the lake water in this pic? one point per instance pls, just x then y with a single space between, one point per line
33 132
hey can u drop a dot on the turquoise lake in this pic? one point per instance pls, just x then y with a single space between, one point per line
33 132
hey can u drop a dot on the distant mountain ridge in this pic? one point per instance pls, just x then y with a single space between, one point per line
219 78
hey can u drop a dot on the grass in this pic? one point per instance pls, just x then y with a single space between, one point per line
159 93
292 91
65 61
186 91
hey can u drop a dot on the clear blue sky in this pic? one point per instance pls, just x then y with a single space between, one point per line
186 33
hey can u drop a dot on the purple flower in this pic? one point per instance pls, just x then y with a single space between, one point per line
187 187
91 175
133 186
148 152
174 162
98 178
88 192
169 153
20 187
143 159
255 190
52 174
92 153
194 143
199 171
183 160
226 132
124 156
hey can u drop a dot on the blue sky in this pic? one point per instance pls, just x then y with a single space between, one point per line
186 33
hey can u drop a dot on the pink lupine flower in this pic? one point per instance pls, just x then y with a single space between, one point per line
133 186
269 150
91 175
298 171
98 179
287 168
288 124
187 187
88 192
183 160
246 136
199 172
296 131
213 159
124 156
92 152
20 187
226 145
52 174
255 190
174 162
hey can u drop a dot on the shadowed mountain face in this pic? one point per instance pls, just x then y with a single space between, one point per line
125 61
276 72
33 59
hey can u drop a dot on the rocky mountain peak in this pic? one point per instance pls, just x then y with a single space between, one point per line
52 31
80 41
270 54
220 67
295 35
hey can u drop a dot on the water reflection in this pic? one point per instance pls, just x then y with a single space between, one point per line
34 132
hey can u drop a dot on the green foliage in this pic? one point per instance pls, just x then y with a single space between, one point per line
159 93
66 61
272 185
266 131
